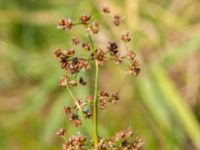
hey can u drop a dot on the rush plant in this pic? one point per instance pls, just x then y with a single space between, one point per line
83 56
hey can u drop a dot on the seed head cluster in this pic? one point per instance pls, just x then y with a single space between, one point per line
81 56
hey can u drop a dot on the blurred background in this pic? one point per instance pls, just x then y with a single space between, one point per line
162 104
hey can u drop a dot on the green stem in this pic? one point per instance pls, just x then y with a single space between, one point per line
73 97
95 104
92 43
95 107
95 16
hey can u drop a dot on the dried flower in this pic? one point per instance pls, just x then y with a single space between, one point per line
86 46
138 143
126 37
87 113
130 55
75 41
133 70
106 9
61 132
69 52
117 20
114 97
90 99
65 23
84 19
99 55
73 82
112 47
58 52
75 143
82 82
103 94
63 81
73 118
117 58
103 102
79 105
94 27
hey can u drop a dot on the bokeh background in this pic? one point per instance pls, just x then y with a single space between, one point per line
162 105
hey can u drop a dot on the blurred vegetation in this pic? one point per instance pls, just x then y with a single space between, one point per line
162 104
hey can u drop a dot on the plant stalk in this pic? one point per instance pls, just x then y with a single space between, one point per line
95 106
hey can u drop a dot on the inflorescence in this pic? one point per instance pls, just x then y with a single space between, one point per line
73 64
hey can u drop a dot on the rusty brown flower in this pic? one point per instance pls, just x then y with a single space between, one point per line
58 52
99 55
63 81
73 118
82 81
94 28
61 132
126 37
75 41
75 143
117 20
112 47
84 19
86 46
65 23
106 9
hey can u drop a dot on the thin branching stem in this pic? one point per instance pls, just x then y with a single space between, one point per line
79 107
91 41
73 97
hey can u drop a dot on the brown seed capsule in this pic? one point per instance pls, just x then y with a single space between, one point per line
103 94
69 52
61 132
75 41
117 20
117 58
67 110
63 81
125 37
137 71
82 82
112 47
73 118
75 143
94 28
99 55
114 97
138 143
130 55
106 9
58 52
103 102
90 99
87 113
65 23
86 46
84 19
79 105
73 83
135 63
133 70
